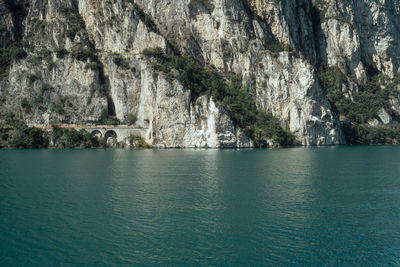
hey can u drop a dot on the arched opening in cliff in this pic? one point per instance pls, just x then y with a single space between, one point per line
110 137
97 134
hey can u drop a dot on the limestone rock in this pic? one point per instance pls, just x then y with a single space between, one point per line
275 46
384 117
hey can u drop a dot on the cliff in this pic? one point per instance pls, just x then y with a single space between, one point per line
303 62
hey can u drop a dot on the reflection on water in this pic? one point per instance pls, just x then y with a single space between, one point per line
308 206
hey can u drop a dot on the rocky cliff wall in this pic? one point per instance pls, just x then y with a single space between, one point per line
84 61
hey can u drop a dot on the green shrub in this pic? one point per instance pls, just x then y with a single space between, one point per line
59 107
8 56
121 62
51 65
131 118
45 87
39 98
71 32
156 52
139 142
31 137
35 60
45 54
57 131
4 134
3 98
32 78
101 89
71 138
19 135
107 119
82 54
358 134
61 52
17 53
275 48
75 22
39 26
14 122
25 104
367 101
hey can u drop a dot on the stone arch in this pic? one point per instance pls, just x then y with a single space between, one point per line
111 134
98 134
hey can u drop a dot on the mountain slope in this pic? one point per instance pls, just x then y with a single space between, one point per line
305 62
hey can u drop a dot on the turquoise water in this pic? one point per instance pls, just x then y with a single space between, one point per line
305 206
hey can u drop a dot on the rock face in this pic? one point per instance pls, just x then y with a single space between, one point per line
355 35
85 60
362 36
163 107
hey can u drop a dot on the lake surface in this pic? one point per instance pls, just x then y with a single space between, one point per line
298 206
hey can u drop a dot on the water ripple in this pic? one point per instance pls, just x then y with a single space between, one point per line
328 206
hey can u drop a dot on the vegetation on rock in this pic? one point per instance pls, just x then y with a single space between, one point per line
71 138
15 133
361 105
362 134
107 119
138 142
229 92
8 56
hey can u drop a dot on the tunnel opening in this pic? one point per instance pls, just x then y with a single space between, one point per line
97 134
110 138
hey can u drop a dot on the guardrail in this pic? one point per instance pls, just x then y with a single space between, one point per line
73 126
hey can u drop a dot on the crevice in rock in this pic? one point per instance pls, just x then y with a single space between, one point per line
104 81
270 38
19 10
319 36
